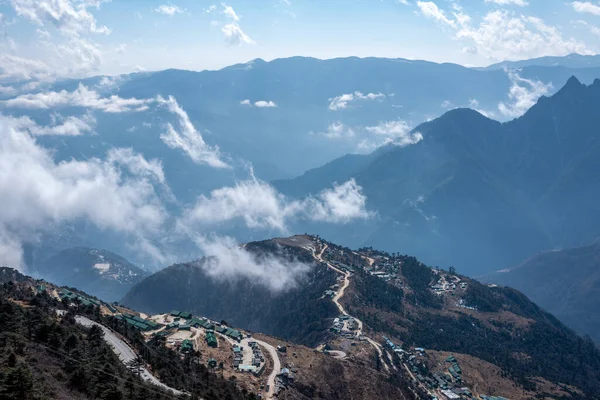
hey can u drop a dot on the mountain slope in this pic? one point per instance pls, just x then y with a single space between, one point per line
484 195
563 282
99 272
394 297
299 314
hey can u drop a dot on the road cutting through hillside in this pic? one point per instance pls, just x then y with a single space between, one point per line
336 300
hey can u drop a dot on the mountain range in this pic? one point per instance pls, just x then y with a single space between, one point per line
326 108
476 193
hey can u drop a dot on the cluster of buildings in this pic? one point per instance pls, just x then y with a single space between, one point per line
67 295
256 363
443 285
344 325
138 322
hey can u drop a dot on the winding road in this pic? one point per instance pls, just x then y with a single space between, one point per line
336 301
124 352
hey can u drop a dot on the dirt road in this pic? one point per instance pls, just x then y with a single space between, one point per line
336 300
124 352
276 366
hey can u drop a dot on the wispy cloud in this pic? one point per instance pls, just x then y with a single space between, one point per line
520 3
586 7
343 101
81 97
187 138
168 9
396 132
523 94
70 126
503 35
234 34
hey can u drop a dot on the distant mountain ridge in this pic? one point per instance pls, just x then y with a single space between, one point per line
479 194
564 282
573 60
101 273
276 140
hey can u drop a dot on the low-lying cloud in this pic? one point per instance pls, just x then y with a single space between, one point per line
228 260
259 205
38 192
396 132
81 97
70 126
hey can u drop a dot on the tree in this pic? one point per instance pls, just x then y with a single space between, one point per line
452 270
18 383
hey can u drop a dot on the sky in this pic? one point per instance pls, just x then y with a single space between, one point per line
51 39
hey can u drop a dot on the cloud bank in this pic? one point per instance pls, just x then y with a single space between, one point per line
81 97
228 260
259 205
39 193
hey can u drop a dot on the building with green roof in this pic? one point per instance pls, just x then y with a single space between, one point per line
211 339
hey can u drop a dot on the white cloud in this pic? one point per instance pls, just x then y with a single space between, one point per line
503 35
523 94
227 260
265 104
586 7
70 126
338 130
343 101
188 139
396 132
137 164
230 13
66 17
259 103
430 10
8 91
593 28
169 10
39 192
81 97
14 68
72 52
259 205
120 49
234 35
520 3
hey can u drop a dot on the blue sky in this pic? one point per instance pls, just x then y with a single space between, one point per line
86 37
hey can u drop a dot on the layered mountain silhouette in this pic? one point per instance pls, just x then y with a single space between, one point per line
479 194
